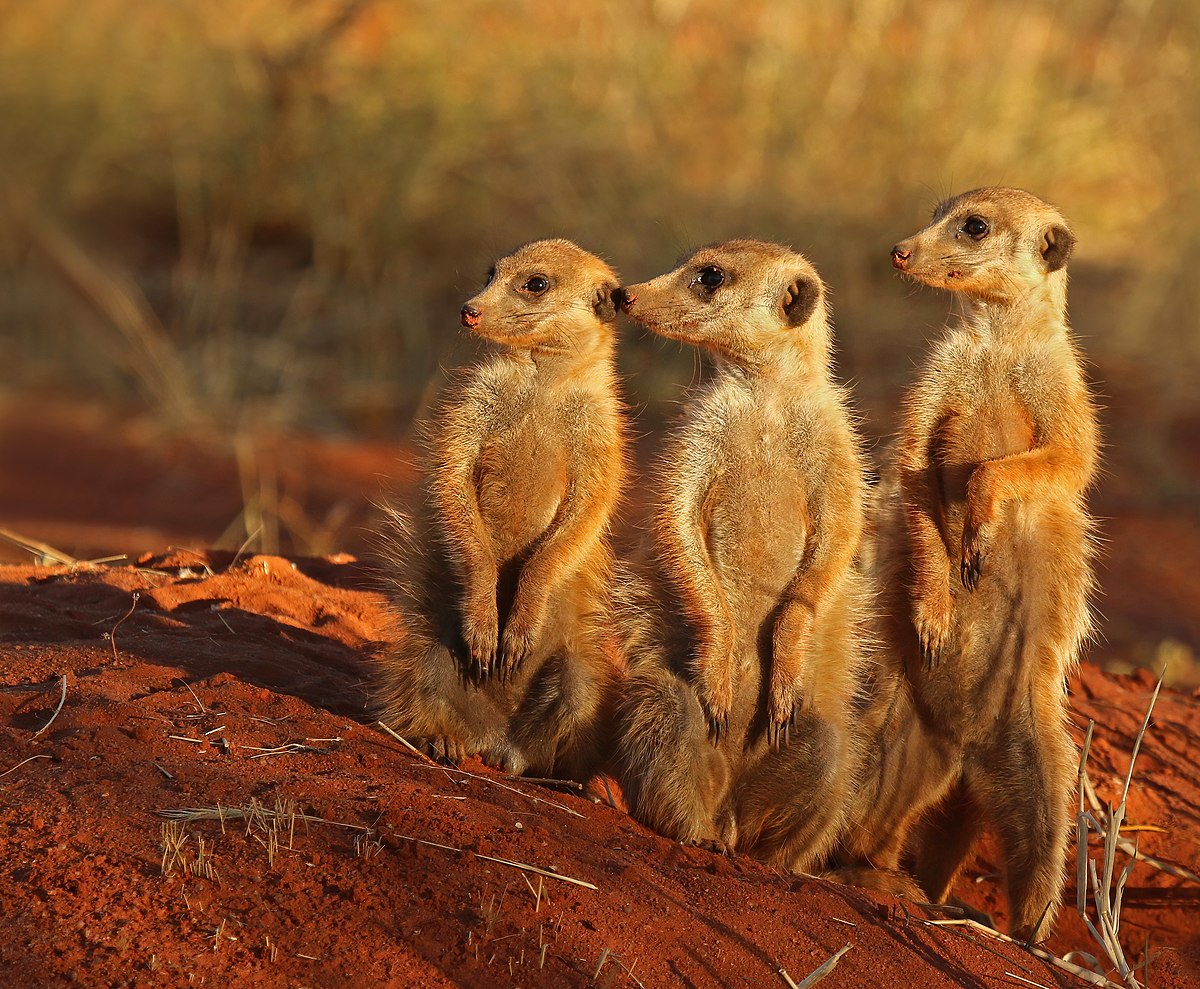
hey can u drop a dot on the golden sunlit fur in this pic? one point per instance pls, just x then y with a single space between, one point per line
507 578
743 630
983 552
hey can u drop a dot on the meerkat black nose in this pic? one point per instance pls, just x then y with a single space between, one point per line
623 299
900 256
470 316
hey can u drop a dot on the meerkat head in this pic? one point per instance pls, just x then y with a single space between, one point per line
746 300
549 295
994 245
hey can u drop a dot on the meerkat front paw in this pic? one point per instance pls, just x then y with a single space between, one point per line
715 692
790 638
931 618
975 542
978 522
442 748
782 707
519 641
481 633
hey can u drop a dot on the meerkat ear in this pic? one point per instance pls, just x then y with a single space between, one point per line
1057 242
603 303
800 299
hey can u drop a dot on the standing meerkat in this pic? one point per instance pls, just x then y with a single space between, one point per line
505 581
984 551
743 632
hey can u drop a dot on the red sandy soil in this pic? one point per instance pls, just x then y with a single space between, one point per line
185 674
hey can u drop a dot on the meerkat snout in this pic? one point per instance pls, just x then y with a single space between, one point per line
900 257
470 316
623 300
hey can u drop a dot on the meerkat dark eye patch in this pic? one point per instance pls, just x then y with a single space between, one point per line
710 276
536 285
604 302
490 276
975 227
1057 244
799 300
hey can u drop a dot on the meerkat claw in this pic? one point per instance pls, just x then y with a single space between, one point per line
972 569
718 726
931 654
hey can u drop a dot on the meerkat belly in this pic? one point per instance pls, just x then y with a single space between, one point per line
758 529
520 482
998 426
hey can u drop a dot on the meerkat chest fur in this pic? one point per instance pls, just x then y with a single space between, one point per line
996 395
522 468
756 512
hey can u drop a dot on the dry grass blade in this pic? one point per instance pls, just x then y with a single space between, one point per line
1081 829
475 776
112 636
22 763
1106 885
174 839
1100 819
1085 974
406 743
536 870
1024 981
607 956
821 971
43 553
255 814
61 701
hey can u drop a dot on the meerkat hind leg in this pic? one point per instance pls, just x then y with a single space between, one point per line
674 779
942 841
424 697
1023 784
558 725
792 802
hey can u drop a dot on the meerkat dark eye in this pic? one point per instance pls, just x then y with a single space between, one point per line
491 276
975 227
536 285
710 277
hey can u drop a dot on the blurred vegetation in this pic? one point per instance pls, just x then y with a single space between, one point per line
268 211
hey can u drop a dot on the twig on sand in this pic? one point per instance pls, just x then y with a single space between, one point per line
407 744
475 776
512 789
112 636
288 748
42 552
199 703
61 701
1025 981
573 785
536 870
22 763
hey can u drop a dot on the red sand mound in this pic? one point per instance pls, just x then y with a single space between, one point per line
196 682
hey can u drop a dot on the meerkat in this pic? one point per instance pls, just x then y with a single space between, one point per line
504 579
984 549
742 633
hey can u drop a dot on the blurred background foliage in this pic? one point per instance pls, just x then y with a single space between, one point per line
259 217
267 212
